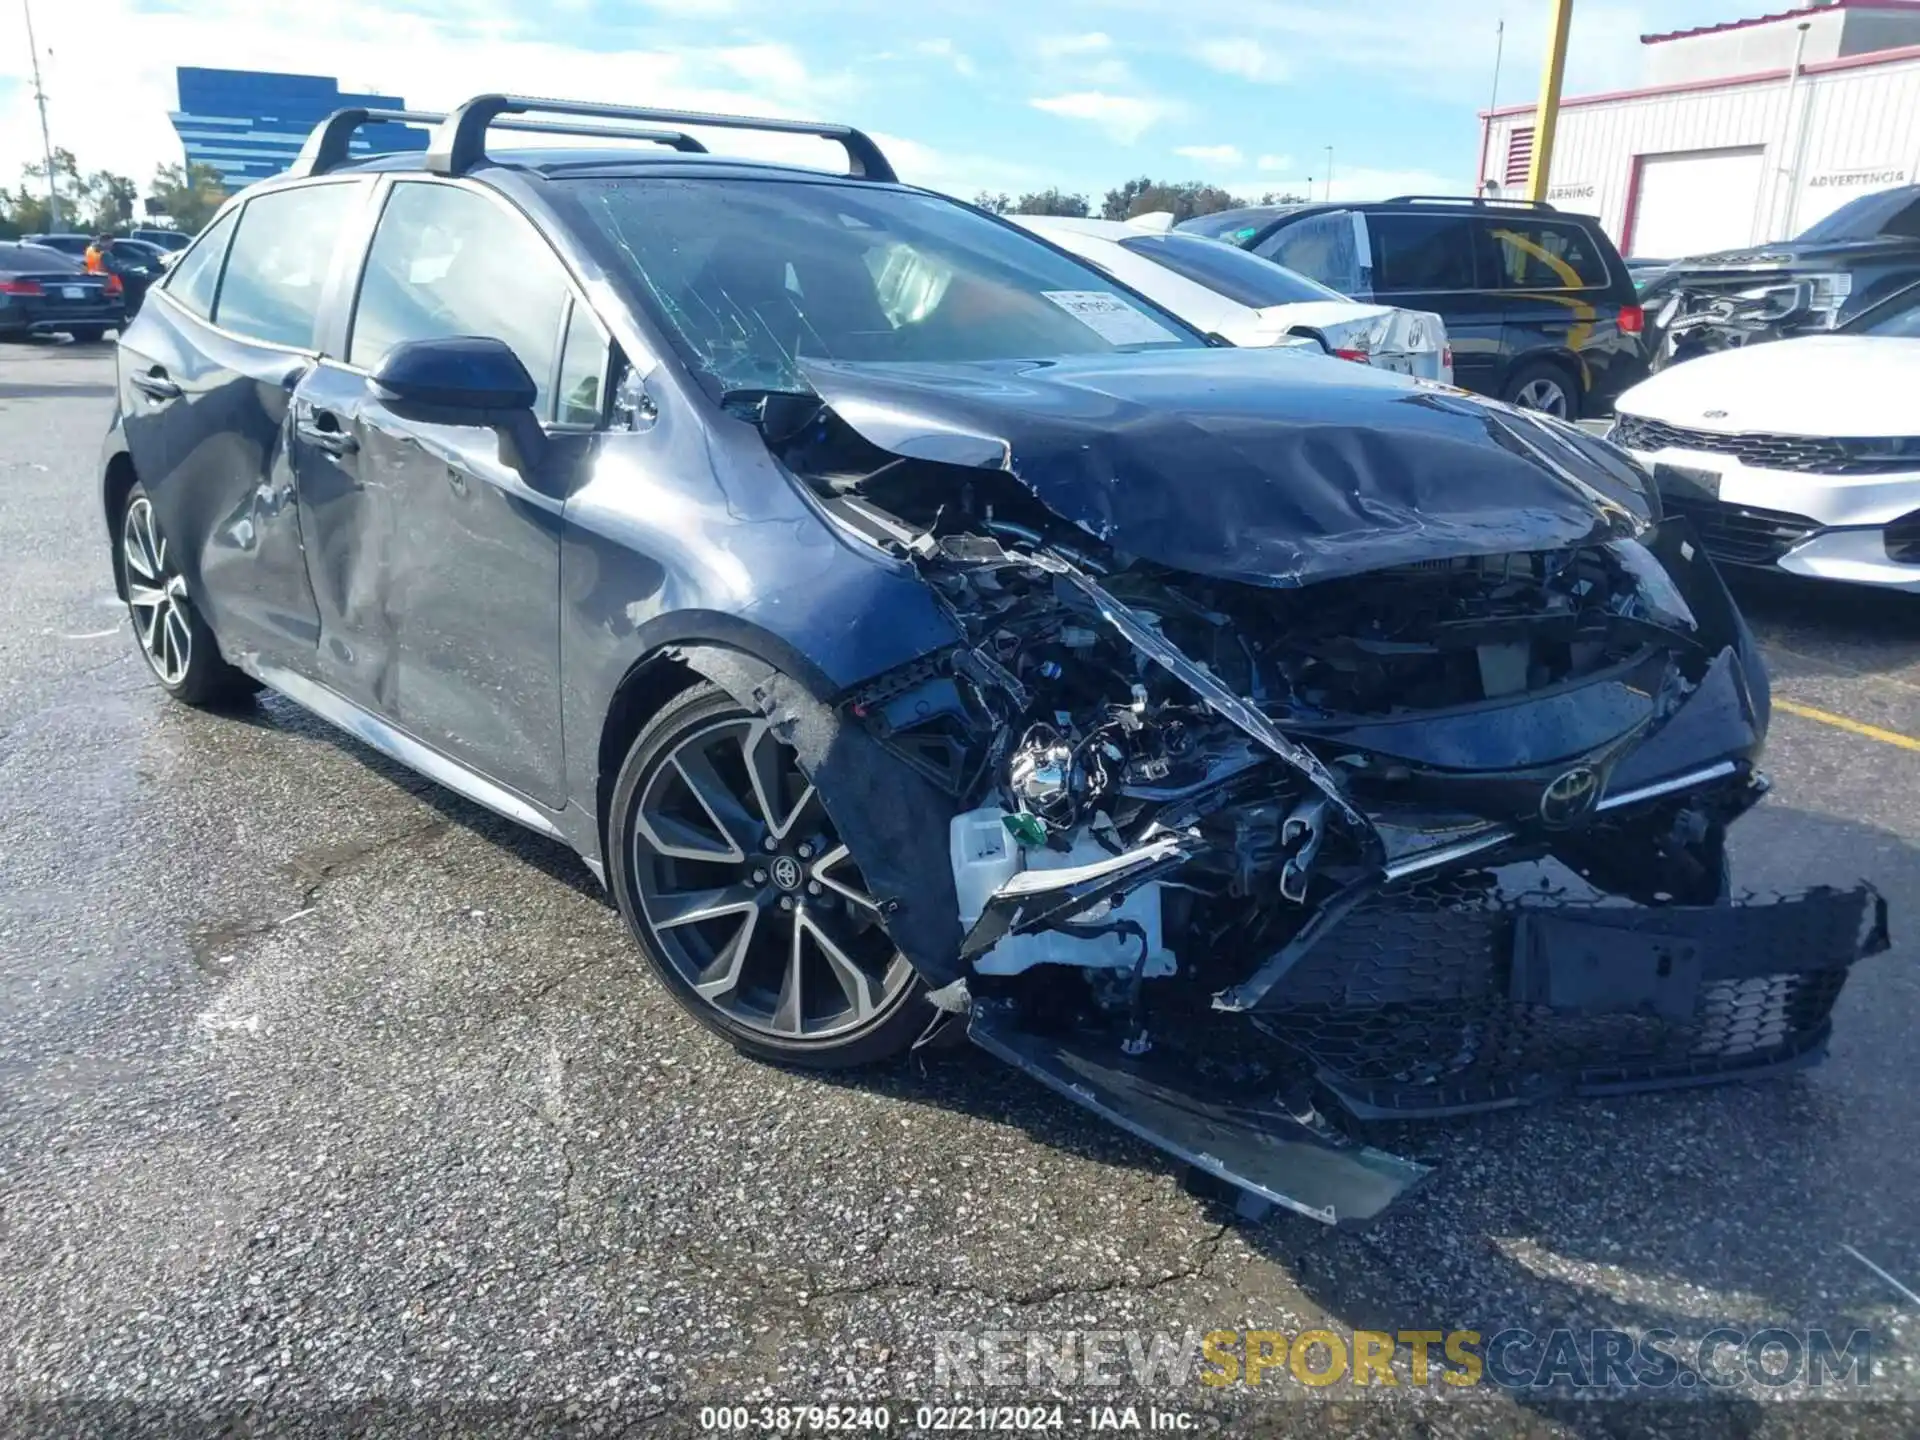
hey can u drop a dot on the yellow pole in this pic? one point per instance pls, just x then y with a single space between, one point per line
1547 114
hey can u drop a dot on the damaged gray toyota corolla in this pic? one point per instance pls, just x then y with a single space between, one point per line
925 637
1315 754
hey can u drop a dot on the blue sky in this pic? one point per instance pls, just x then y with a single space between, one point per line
1006 94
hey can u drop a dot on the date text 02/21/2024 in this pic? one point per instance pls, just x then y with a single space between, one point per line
938 1419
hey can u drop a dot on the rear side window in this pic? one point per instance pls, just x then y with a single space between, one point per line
448 261
1330 247
196 275
1530 255
277 267
1241 276
1422 252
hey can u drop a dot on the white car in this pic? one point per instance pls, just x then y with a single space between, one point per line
1228 291
1802 455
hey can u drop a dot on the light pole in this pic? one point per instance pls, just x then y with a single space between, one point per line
1329 173
1546 115
46 140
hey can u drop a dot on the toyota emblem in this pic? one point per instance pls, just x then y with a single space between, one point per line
786 872
1570 798
1713 414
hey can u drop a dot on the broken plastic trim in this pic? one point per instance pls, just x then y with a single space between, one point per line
1034 899
1259 1146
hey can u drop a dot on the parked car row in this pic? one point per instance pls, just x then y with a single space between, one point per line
44 292
1802 455
1540 308
1227 291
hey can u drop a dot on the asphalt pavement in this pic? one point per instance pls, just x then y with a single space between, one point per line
331 1103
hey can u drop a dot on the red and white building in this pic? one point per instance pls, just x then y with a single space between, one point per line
1742 133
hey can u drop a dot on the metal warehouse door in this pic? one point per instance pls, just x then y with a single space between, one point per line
1695 202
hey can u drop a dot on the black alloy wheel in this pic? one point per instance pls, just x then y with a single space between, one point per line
175 642
743 897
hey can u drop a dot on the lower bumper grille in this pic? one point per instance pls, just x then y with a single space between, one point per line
1444 997
1741 534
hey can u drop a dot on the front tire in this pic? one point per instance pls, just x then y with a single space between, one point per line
178 647
743 899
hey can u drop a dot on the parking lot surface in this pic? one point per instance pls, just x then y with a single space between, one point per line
321 1088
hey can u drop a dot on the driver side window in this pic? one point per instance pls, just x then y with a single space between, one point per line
446 261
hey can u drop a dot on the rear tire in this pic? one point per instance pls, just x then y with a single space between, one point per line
178 647
1545 388
744 902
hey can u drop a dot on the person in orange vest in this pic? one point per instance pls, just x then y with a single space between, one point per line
96 257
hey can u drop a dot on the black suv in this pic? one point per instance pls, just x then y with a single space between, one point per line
1539 305
925 636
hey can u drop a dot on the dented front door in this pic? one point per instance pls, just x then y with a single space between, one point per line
347 521
436 571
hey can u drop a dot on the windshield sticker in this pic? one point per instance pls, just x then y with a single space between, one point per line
1110 317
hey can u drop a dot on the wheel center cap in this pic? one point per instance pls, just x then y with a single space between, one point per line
786 872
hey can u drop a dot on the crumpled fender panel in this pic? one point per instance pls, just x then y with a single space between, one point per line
892 818
1249 465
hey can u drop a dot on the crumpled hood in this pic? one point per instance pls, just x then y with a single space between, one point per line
1260 466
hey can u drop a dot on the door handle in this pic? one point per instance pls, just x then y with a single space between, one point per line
331 438
154 384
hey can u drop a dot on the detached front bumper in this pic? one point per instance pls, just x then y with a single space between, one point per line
1453 994
1450 994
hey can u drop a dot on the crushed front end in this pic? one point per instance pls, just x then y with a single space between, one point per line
1241 867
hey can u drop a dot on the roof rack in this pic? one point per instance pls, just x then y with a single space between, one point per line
330 145
1469 200
461 141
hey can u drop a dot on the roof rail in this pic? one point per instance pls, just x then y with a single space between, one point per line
461 141
1469 200
330 145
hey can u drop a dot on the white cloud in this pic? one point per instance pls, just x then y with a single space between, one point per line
776 67
1357 183
945 49
1246 58
1082 62
1274 162
1211 154
1052 47
109 103
1125 118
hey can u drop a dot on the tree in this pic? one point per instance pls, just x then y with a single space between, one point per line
995 204
1283 197
107 201
189 194
1052 201
26 207
1185 199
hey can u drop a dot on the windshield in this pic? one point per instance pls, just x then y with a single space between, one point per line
1235 226
756 275
1887 212
1240 275
1898 316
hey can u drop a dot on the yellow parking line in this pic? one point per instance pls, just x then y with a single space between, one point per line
1841 722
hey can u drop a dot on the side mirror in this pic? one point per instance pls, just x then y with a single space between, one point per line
462 379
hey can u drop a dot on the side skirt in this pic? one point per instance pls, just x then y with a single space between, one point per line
396 744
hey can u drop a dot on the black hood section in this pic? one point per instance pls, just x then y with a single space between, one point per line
1260 466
